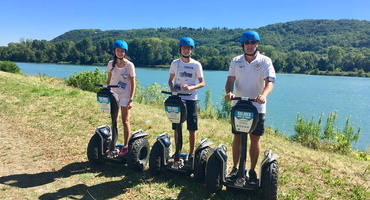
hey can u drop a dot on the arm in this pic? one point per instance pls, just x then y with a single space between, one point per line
170 83
229 88
133 87
109 77
132 91
266 91
201 84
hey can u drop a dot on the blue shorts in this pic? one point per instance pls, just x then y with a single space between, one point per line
260 129
192 117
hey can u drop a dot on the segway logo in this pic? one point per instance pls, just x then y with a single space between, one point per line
103 100
104 103
244 115
173 113
243 121
172 109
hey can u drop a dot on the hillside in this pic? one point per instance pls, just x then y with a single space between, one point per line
46 127
283 36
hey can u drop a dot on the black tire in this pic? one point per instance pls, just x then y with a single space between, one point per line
156 164
200 163
138 154
213 175
269 181
94 153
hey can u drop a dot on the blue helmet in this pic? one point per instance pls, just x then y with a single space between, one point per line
250 35
120 44
187 41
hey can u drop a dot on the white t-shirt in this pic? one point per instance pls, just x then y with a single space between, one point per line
121 76
249 77
186 73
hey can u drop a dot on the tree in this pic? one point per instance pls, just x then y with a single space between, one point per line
335 54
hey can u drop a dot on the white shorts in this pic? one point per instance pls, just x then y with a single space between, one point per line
123 102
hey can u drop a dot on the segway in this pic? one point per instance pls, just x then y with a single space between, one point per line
102 146
160 159
244 118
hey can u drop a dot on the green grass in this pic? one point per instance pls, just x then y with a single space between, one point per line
46 125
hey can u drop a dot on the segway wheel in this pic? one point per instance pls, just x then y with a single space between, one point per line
156 163
269 181
138 154
200 163
94 152
213 175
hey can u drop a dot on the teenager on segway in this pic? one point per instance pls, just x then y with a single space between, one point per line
184 74
121 72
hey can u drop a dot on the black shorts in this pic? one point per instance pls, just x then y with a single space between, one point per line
260 129
192 117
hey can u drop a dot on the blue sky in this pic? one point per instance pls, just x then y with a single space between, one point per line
47 19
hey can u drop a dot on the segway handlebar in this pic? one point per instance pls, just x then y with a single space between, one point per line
105 85
243 99
176 93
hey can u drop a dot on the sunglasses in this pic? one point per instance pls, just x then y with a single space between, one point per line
186 47
250 42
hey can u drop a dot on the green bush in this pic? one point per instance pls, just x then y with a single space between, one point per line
151 94
11 67
308 133
86 79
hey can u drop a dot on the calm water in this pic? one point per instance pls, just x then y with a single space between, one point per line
307 95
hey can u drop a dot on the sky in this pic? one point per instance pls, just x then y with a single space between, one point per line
47 19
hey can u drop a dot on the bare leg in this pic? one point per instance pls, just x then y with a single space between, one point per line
254 149
236 150
192 138
126 124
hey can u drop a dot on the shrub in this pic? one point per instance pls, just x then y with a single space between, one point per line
11 67
86 79
150 94
308 133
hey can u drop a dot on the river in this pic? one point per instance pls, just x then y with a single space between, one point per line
308 95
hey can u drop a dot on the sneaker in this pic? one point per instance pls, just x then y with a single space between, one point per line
232 175
123 151
109 152
252 177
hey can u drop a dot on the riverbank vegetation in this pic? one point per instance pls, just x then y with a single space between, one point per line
47 124
321 47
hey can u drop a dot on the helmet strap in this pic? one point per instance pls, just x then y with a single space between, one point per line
254 53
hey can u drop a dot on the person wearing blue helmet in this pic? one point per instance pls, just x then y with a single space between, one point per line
186 75
253 76
121 72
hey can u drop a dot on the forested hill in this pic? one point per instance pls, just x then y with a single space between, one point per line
303 35
306 46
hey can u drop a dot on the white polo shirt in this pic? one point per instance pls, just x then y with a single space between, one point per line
249 77
186 73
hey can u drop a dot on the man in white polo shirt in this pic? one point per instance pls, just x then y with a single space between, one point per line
253 76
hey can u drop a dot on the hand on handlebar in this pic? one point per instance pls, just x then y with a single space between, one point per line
260 99
185 87
229 96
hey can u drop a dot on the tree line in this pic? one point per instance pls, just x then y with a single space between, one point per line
306 46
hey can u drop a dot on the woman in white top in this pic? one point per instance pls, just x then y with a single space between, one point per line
121 72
